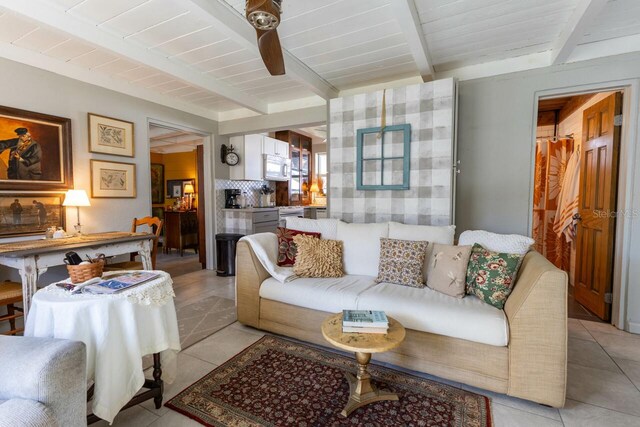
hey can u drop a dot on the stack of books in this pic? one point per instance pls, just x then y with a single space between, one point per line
364 322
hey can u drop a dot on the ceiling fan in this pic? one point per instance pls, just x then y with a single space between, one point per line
264 15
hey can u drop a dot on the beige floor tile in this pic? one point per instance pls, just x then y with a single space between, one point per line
223 345
515 403
577 414
603 388
136 416
240 327
605 328
505 416
190 370
175 419
589 353
577 330
631 369
620 346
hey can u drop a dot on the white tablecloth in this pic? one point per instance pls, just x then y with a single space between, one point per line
118 331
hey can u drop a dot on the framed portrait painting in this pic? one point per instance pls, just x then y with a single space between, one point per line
157 183
30 214
35 151
110 136
113 179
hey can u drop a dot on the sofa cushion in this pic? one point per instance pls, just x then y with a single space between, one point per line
331 295
508 243
26 413
286 246
426 310
326 226
318 258
401 262
447 269
362 246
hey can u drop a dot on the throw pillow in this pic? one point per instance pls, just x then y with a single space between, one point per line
286 245
509 243
447 269
318 257
401 262
492 275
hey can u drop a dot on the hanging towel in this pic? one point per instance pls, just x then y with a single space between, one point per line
568 199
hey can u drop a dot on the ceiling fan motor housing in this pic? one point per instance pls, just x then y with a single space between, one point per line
266 16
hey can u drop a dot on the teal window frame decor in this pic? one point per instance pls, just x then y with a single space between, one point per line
406 128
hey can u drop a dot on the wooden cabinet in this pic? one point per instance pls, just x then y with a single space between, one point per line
249 149
181 231
296 192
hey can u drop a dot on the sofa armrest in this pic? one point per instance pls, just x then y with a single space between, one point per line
249 276
537 314
50 371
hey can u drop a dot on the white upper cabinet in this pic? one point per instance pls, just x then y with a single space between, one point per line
249 149
275 147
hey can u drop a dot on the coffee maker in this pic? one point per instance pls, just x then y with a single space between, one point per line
231 198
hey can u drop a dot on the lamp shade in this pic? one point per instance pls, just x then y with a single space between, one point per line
76 198
314 188
188 189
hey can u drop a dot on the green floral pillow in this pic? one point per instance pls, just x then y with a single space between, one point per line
491 275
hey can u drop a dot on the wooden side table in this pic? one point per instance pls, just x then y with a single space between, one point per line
361 391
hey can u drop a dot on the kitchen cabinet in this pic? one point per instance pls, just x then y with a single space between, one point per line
295 192
251 220
275 147
249 149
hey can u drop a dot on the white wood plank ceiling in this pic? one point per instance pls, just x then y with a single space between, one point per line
201 56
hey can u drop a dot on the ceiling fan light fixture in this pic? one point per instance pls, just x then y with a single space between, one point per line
264 21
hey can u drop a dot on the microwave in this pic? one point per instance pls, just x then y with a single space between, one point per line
276 168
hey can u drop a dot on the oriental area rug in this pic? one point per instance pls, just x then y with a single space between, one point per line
277 382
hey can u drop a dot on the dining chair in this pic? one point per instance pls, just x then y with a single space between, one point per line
11 293
155 224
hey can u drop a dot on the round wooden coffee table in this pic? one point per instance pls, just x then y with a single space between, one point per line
361 391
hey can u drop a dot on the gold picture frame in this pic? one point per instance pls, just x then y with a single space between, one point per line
110 136
113 180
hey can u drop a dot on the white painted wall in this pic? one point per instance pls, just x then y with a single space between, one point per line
495 146
33 89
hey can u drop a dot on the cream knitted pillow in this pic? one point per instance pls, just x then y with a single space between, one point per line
318 257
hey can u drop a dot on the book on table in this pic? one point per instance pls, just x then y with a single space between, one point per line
361 330
364 319
119 282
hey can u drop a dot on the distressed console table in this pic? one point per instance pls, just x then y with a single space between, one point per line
33 257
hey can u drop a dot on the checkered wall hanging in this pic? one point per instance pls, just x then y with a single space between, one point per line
428 110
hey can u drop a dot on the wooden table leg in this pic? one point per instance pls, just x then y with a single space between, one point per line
361 391
145 255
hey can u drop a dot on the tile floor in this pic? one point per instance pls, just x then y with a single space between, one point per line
603 379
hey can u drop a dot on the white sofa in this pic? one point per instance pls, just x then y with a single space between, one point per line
520 350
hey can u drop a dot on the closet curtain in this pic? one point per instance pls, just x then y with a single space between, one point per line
551 163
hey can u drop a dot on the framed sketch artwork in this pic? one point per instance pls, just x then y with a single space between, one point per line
110 136
35 151
29 214
113 179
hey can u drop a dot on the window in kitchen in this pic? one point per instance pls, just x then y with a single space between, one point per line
320 172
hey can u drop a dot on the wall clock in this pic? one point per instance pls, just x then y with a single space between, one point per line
228 156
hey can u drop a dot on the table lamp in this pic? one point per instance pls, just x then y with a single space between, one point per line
189 190
76 198
314 190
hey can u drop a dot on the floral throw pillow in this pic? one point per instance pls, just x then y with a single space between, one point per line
402 262
492 275
287 247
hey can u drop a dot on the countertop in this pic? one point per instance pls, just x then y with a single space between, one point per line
250 210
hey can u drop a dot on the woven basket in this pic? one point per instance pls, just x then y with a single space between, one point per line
82 273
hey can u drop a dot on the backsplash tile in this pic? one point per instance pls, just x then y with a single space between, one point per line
252 189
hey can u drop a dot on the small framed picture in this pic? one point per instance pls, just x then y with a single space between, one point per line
30 214
113 179
110 136
175 187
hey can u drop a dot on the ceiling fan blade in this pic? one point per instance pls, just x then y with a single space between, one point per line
271 51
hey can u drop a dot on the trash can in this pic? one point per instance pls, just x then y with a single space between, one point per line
226 253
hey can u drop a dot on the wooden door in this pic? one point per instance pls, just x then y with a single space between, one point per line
202 235
597 205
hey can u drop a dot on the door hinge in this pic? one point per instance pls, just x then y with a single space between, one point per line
617 120
608 298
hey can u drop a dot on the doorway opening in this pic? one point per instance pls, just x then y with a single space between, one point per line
575 195
178 197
